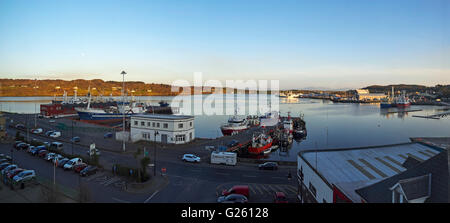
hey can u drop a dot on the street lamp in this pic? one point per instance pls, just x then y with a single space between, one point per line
154 156
123 109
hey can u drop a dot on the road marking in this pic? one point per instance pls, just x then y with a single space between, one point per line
278 177
252 189
257 188
148 199
119 200
264 187
248 176
292 188
272 188
281 189
222 173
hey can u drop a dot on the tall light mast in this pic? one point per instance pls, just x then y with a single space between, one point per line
123 109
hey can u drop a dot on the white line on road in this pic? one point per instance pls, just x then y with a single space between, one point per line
148 199
248 176
119 200
222 173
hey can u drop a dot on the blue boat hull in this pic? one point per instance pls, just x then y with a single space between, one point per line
382 105
101 116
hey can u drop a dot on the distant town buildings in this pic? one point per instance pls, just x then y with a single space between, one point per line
2 126
402 173
176 129
365 95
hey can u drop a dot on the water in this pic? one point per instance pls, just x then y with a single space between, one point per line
329 125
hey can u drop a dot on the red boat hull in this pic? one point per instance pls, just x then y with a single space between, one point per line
259 150
403 105
228 132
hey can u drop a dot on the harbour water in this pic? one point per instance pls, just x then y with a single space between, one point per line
329 125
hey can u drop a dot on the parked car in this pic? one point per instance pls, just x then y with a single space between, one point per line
47 144
57 158
56 146
42 153
48 133
191 158
233 198
79 167
50 156
4 165
108 135
237 189
69 165
233 143
51 121
89 170
4 160
8 158
8 168
268 166
279 197
62 162
55 134
22 146
75 139
20 126
24 177
14 172
37 149
95 150
17 143
37 131
30 148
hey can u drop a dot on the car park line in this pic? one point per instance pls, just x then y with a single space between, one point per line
119 200
149 198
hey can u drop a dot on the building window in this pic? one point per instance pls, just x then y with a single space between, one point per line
180 126
312 189
190 136
180 138
148 124
135 122
142 123
165 125
190 124
157 125
153 124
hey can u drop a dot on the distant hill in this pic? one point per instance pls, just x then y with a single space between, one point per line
441 90
29 87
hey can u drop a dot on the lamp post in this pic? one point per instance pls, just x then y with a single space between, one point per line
123 109
154 155
72 138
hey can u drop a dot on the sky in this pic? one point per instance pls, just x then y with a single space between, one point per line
329 44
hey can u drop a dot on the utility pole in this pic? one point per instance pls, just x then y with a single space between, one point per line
123 109
154 155
72 137
28 138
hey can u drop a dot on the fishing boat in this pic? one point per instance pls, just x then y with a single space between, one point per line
111 113
260 143
270 119
267 151
402 102
234 126
288 125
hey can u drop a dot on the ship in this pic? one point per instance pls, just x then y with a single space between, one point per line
388 103
402 101
270 119
260 143
234 126
111 113
288 125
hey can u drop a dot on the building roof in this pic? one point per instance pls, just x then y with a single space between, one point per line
163 116
415 187
437 166
353 168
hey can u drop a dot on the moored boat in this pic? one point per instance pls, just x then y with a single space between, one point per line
234 126
260 143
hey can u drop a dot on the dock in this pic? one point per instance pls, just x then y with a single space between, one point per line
435 116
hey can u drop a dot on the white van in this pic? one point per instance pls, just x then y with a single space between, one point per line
226 158
56 145
69 165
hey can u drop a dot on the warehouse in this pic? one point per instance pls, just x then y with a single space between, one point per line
353 174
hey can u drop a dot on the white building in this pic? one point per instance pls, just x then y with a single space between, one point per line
177 129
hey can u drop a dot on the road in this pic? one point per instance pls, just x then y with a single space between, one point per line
187 182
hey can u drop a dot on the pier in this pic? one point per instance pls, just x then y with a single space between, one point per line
435 116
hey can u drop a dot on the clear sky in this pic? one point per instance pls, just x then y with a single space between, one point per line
327 44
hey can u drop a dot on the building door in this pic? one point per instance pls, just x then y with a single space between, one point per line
164 138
